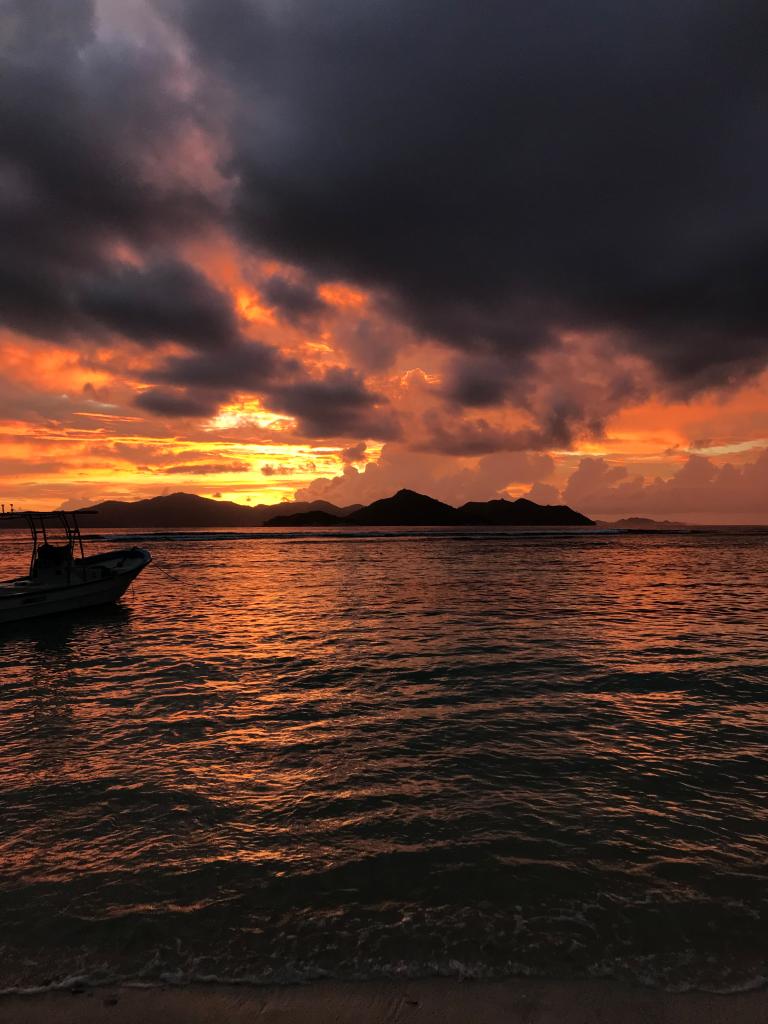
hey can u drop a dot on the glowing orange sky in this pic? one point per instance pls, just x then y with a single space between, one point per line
71 433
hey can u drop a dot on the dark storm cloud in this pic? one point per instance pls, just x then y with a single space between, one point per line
168 302
336 405
478 437
500 172
196 384
167 402
483 379
244 365
504 170
295 302
85 127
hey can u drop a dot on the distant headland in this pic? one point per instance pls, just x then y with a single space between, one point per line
405 508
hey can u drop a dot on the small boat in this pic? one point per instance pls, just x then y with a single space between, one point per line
61 577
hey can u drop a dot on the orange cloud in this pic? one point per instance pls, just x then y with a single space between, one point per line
342 296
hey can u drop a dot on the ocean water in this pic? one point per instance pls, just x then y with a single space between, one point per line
393 753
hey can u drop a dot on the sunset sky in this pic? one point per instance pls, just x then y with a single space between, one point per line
263 248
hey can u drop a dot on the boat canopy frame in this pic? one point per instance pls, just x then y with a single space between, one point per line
36 521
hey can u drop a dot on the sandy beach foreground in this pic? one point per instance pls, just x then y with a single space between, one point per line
398 1002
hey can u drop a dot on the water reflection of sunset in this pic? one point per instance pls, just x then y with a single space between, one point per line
376 714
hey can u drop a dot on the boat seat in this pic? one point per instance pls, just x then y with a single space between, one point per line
52 558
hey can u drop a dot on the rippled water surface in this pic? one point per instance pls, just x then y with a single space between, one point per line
400 753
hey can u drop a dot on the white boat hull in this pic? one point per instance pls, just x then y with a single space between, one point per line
102 579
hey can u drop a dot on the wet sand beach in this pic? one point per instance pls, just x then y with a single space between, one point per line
394 1002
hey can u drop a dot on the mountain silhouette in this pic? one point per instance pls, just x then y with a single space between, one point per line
409 508
406 508
522 512
181 509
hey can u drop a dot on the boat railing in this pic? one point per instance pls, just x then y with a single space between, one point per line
40 524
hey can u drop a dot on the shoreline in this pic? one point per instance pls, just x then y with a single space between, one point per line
428 1001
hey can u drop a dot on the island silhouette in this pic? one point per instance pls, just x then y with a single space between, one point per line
405 508
409 508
